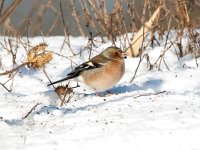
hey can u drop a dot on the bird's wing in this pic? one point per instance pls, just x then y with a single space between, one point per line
96 62
83 67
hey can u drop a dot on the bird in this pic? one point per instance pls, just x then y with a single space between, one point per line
101 72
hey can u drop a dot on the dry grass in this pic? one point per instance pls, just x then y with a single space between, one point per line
38 57
93 18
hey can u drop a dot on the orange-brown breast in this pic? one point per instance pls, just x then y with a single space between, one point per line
106 77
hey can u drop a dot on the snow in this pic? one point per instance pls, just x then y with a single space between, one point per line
158 110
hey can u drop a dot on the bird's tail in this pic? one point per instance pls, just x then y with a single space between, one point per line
64 79
57 81
75 73
69 76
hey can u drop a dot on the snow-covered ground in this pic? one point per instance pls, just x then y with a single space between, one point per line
159 110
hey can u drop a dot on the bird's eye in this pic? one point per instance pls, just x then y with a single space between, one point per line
116 53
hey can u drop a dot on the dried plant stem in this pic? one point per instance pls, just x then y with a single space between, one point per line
9 11
38 21
62 99
63 56
14 69
1 6
30 111
162 55
167 37
183 11
141 57
3 85
66 33
54 24
149 94
44 71
136 70
76 17
28 20
11 51
67 101
99 18
133 50
10 78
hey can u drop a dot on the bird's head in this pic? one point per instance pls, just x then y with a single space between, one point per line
114 53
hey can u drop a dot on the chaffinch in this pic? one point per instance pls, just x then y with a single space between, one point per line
101 72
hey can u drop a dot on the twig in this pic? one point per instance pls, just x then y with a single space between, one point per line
70 93
76 17
10 78
9 11
30 111
149 94
14 69
161 55
167 37
66 32
5 87
1 5
38 21
54 24
11 51
51 82
70 97
48 77
22 28
62 56
90 44
141 58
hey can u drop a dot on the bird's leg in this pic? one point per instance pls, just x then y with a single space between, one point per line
108 92
98 94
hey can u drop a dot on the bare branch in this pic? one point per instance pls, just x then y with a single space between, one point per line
149 94
30 111
1 6
9 11
14 69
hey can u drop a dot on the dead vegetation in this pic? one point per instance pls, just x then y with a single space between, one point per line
37 57
93 18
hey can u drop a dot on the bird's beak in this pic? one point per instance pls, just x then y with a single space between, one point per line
123 55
